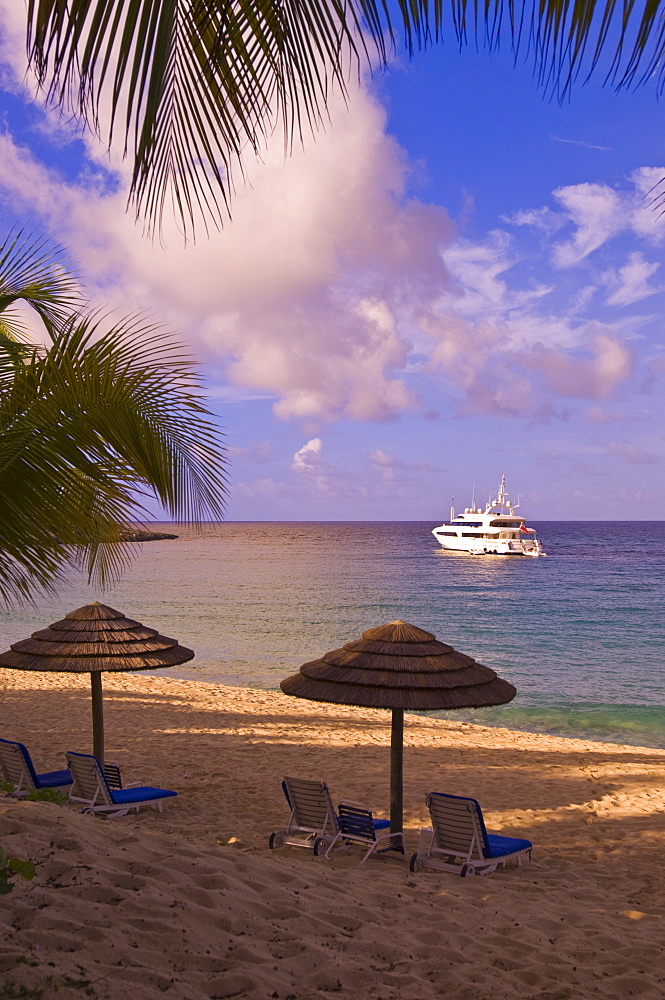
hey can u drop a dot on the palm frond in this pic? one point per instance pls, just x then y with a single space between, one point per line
194 85
37 271
88 430
13 326
13 354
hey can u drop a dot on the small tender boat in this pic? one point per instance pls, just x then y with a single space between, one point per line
498 530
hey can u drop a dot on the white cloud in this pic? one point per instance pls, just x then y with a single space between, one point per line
630 283
631 453
264 489
543 219
477 267
593 375
304 295
597 211
582 299
308 457
259 451
381 458
387 464
647 219
507 354
580 142
12 48
502 371
318 292
482 291
600 213
599 415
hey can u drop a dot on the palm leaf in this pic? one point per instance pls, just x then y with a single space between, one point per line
13 354
88 430
37 271
194 84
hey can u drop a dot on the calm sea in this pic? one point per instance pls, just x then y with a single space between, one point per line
581 634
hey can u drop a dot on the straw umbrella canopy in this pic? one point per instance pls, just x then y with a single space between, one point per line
95 639
398 666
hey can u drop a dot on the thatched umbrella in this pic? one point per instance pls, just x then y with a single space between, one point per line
91 640
399 666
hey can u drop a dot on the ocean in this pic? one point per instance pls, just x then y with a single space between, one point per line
581 633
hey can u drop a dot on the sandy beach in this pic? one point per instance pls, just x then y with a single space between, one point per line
192 904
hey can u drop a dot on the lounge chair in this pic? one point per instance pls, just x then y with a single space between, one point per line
92 788
313 822
459 842
113 776
17 769
358 826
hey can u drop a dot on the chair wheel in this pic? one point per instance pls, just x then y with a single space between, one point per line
87 812
467 870
415 864
275 840
320 846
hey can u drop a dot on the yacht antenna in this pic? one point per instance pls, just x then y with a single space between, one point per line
502 491
452 508
473 497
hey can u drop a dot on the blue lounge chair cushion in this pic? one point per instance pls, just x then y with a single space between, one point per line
494 845
27 758
53 779
124 796
379 824
499 846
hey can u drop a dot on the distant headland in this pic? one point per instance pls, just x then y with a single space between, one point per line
140 535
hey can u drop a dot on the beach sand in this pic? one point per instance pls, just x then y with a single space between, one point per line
192 904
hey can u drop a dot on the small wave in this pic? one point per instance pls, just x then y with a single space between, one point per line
634 725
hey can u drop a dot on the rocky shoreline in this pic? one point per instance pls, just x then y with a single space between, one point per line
140 535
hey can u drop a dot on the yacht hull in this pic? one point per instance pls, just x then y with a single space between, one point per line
498 530
486 547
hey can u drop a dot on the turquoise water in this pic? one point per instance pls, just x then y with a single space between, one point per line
581 633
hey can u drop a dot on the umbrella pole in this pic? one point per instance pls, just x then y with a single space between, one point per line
97 715
396 781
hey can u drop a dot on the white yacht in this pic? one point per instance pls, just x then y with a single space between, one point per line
498 530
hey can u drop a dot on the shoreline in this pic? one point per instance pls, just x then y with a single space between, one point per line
191 903
462 715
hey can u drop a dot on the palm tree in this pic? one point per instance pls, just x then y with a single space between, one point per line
91 426
194 85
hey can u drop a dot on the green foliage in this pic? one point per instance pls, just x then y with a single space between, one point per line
107 415
34 270
13 866
9 990
37 794
46 795
193 87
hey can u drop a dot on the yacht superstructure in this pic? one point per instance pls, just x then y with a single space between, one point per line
497 530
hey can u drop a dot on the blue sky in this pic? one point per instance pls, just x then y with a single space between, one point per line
461 278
